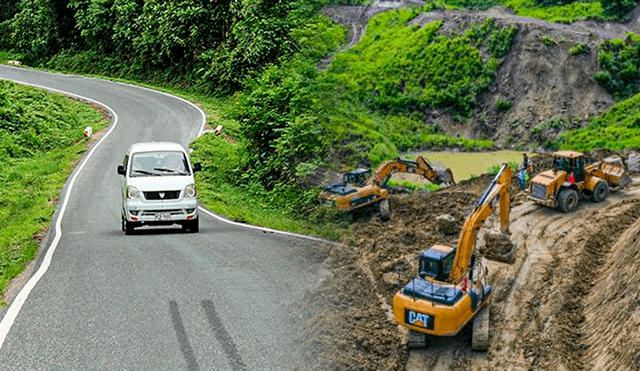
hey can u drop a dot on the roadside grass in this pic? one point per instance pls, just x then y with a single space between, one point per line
225 189
6 56
41 139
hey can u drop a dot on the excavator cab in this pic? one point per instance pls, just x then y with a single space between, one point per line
358 176
436 262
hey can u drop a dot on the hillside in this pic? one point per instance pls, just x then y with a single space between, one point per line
546 77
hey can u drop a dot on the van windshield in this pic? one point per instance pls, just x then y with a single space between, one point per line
159 164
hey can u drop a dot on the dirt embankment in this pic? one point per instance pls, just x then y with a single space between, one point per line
568 302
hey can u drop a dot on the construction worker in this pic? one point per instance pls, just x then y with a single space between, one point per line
523 171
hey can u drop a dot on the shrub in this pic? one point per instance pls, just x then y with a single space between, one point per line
548 41
579 49
502 105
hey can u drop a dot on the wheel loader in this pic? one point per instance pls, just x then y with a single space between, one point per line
360 188
572 178
451 288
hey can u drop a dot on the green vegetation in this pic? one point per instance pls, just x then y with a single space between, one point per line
412 187
619 61
579 49
493 170
398 68
502 105
41 137
616 129
548 41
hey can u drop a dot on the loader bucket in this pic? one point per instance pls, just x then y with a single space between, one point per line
498 247
445 176
624 181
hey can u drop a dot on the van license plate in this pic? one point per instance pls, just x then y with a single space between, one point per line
163 216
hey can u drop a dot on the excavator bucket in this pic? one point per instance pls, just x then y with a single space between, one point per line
445 176
498 247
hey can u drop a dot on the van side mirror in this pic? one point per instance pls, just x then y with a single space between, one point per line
197 167
121 169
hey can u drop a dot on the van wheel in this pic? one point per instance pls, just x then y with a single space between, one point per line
600 192
128 227
192 226
568 200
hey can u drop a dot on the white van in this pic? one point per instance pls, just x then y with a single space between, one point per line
158 187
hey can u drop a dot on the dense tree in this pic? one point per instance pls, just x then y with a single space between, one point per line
95 20
41 28
8 8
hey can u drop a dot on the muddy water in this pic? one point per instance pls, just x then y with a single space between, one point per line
466 164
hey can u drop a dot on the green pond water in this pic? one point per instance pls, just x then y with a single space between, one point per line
466 164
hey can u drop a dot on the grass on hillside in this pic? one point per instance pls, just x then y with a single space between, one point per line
41 138
616 129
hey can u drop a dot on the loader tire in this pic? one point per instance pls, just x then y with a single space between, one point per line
385 211
568 200
600 191
480 330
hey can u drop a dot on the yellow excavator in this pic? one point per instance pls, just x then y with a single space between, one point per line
452 288
360 188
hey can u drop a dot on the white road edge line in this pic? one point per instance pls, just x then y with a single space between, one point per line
18 302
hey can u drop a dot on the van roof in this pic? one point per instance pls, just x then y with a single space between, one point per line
155 146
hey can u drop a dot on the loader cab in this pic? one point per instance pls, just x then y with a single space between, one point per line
570 162
437 262
358 176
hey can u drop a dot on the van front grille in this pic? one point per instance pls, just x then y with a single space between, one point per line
162 195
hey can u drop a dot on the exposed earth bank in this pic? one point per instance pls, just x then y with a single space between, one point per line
568 302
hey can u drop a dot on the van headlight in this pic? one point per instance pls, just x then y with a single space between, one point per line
132 192
190 191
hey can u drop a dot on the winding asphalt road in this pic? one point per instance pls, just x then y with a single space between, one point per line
226 298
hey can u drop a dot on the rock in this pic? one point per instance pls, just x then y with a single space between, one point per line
391 278
498 246
633 162
446 224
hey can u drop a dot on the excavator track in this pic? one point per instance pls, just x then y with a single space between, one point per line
480 334
417 340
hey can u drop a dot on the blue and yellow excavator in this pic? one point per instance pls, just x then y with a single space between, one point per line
452 287
360 188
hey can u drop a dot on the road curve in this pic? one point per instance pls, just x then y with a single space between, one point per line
225 298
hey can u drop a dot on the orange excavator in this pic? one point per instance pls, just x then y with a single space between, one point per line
451 289
360 188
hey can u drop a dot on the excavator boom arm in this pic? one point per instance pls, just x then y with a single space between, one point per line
498 192
421 166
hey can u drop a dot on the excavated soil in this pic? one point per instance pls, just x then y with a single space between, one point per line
569 301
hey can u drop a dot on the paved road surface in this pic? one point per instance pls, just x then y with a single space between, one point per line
223 299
